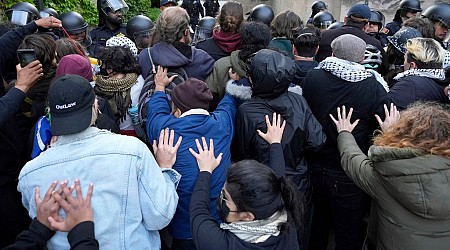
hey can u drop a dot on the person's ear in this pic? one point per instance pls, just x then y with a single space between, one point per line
186 32
246 216
294 50
412 65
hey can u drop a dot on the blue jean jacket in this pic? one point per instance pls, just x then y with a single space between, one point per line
132 197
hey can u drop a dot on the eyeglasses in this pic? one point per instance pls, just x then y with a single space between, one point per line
223 199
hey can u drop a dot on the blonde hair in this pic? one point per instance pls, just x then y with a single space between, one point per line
424 125
170 26
427 53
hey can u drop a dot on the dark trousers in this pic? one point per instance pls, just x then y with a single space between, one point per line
340 204
179 244
13 216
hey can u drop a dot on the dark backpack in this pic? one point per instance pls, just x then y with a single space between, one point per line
147 91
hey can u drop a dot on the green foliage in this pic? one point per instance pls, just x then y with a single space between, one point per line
141 7
89 11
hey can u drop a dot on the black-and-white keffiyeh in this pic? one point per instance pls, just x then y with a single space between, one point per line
258 230
446 62
350 71
438 74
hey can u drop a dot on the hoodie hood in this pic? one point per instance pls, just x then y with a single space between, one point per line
271 73
227 41
418 181
169 56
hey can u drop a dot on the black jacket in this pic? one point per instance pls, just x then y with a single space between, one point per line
329 35
324 92
301 69
210 46
207 232
81 237
410 89
12 144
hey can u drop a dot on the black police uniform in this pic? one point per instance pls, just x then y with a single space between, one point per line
194 8
393 27
211 7
99 36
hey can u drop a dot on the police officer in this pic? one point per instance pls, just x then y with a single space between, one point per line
110 23
439 15
195 9
167 3
323 20
211 7
204 29
22 13
406 10
316 7
76 27
261 13
375 27
139 30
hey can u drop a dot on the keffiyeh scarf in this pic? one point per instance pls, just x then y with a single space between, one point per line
437 74
350 71
258 230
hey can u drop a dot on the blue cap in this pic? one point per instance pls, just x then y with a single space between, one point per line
360 11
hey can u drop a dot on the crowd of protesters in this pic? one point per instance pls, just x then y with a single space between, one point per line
229 131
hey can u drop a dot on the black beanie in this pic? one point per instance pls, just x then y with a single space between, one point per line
191 94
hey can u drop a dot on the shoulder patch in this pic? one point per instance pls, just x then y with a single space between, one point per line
384 31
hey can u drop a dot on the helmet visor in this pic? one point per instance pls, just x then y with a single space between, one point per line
323 25
19 17
201 34
142 39
115 5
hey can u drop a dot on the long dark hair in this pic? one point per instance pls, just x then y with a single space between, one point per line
255 188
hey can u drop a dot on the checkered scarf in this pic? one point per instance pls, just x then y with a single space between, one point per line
350 71
438 74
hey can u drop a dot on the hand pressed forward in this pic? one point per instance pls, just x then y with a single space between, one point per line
343 122
275 129
205 157
165 151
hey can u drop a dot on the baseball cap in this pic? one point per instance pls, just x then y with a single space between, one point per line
359 12
70 99
164 2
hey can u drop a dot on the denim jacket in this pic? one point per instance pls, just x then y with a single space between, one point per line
132 197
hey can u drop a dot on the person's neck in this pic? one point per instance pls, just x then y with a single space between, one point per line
110 25
117 75
302 58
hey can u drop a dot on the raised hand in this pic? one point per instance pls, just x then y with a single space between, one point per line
77 209
343 122
48 22
391 117
28 75
205 157
161 78
274 130
165 151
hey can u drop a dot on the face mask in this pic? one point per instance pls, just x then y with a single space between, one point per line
222 209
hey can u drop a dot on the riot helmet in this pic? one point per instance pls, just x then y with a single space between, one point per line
204 29
48 12
317 7
323 20
377 17
139 29
76 27
22 13
104 7
372 57
400 38
439 12
335 25
261 13
410 5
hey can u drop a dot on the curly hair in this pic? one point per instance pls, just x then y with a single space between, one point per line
284 24
424 125
254 36
170 26
231 16
118 59
44 48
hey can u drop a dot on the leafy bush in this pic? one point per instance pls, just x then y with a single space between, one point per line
88 9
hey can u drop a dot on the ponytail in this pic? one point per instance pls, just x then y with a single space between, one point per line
294 207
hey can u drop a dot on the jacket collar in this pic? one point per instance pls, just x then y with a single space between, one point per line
194 112
87 133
